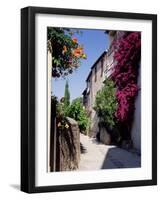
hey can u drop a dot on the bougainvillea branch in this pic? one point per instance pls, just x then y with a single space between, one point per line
127 51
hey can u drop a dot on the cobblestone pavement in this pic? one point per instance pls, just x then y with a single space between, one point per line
96 156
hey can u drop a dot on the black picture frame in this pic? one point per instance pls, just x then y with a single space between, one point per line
28 98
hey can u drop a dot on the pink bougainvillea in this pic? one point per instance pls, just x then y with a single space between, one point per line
127 50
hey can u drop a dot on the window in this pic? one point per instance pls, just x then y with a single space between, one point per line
102 62
95 72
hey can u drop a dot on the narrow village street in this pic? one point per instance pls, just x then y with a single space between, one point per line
95 155
106 103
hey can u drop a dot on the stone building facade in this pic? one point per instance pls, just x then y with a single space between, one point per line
101 70
94 83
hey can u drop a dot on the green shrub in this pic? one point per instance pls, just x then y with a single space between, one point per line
106 104
77 112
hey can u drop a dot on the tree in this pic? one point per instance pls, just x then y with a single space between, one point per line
66 95
66 51
77 112
106 104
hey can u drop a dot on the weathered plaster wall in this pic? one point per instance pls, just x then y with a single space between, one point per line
96 85
136 127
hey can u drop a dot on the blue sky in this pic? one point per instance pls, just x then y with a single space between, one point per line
95 42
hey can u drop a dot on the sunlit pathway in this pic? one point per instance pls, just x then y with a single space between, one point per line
99 156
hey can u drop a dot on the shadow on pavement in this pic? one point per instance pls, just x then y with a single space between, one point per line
120 158
82 148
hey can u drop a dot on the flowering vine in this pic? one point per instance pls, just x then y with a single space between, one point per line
127 50
67 53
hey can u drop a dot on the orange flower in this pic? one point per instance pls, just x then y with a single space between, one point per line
74 40
78 52
64 49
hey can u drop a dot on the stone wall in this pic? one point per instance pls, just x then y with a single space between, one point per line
105 137
69 147
136 127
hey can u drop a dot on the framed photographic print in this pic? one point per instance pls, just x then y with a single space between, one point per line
88 99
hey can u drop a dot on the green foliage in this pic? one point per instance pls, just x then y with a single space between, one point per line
74 110
106 104
77 112
64 49
66 95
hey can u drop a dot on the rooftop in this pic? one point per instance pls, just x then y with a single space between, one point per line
94 65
